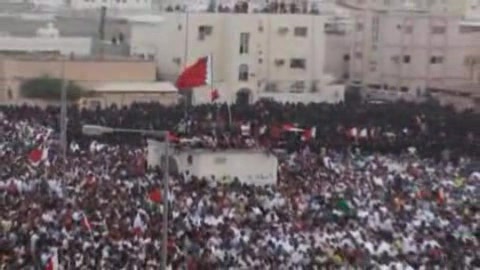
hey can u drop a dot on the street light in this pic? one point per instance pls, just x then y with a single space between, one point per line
94 130
97 130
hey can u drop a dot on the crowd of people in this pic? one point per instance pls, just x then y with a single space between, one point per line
377 187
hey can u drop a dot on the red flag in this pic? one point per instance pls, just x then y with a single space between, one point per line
309 133
86 223
49 265
196 75
35 155
275 132
172 137
140 164
155 195
214 95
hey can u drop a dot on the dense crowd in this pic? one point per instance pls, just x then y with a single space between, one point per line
397 194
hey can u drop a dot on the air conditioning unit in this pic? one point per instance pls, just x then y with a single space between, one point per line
271 87
279 62
283 30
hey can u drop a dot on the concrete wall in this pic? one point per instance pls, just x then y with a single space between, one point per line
223 165
80 46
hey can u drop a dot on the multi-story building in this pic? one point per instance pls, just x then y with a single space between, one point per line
405 53
280 56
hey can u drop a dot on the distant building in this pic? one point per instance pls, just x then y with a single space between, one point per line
402 54
111 4
47 40
89 73
254 55
437 7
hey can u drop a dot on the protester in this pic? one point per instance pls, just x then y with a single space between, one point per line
374 187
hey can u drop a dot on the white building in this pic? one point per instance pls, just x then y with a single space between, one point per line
47 40
254 55
404 53
316 6
473 10
111 4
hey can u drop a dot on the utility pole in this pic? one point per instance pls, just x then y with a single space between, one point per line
165 204
63 114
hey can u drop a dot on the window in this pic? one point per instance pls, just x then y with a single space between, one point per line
406 59
204 31
243 72
297 87
436 59
244 42
404 89
300 31
359 27
438 30
297 63
358 55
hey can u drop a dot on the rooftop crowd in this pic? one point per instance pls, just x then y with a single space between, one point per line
398 193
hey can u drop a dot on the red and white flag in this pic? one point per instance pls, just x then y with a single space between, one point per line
352 133
86 222
309 133
292 128
198 74
214 95
37 155
173 138
52 263
155 195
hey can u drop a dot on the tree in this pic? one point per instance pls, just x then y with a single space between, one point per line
48 88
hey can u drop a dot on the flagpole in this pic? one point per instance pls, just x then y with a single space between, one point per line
212 88
185 59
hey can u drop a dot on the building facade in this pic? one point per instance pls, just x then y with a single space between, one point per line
252 53
401 54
